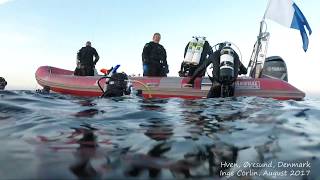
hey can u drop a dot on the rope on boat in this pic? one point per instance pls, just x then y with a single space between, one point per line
143 84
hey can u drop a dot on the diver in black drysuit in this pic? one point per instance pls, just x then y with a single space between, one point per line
154 58
87 64
214 58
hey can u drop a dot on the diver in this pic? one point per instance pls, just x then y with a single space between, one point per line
196 51
44 90
154 58
226 67
117 85
85 62
3 83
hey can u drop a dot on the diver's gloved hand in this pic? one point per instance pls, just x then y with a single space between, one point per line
145 61
243 70
166 69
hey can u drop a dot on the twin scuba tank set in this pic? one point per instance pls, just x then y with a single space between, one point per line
117 84
194 50
192 56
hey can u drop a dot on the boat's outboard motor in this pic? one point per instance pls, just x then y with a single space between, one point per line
226 71
3 83
117 86
275 67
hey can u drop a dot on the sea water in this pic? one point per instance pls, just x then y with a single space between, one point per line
53 136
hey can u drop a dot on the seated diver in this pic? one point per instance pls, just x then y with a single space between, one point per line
196 51
226 67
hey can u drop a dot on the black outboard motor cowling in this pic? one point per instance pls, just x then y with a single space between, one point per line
117 86
275 67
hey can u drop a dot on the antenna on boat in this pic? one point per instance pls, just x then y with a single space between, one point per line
259 52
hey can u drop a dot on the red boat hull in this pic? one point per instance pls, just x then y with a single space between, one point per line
63 81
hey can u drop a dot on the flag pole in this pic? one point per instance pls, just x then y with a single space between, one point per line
256 49
264 15
254 64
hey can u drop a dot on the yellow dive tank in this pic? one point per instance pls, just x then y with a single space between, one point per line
190 51
197 53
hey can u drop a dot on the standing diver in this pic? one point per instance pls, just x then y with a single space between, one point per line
154 58
85 63
226 67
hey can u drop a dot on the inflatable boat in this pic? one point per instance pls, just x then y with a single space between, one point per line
267 77
63 81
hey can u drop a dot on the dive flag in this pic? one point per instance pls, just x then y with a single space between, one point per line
287 13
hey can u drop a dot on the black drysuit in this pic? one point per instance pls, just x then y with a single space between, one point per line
154 60
85 55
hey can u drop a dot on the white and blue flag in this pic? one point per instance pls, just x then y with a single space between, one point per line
287 13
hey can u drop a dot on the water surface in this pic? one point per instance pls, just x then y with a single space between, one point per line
52 136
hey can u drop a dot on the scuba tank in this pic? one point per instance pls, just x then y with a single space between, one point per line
192 56
197 53
226 68
190 51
